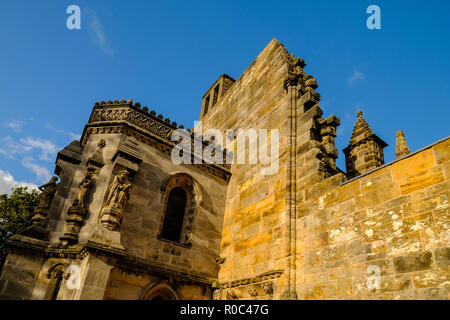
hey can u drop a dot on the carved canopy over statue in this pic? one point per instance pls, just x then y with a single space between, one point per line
47 194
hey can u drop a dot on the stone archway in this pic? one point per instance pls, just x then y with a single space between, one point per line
161 291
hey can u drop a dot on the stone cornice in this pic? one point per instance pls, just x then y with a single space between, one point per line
123 261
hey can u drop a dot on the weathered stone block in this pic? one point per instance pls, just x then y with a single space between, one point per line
404 243
442 151
412 165
442 257
431 278
413 262
421 180
396 283
435 237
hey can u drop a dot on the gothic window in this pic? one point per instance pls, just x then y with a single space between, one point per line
215 96
180 203
56 276
206 106
174 215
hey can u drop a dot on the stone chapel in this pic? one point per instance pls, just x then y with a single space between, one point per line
122 221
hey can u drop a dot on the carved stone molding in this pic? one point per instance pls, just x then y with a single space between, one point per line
260 278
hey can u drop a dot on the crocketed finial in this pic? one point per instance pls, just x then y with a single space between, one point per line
401 148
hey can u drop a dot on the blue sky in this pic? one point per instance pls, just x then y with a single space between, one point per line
166 54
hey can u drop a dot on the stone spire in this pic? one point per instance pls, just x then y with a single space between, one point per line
365 150
401 145
361 130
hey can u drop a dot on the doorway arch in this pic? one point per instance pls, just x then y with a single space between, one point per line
161 290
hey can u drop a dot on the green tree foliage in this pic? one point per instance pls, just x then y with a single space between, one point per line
16 211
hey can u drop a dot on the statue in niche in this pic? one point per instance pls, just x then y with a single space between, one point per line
83 191
119 190
47 194
41 211
116 201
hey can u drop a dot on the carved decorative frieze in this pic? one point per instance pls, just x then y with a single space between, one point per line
151 124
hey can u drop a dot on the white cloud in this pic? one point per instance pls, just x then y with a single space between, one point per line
46 151
9 148
355 77
42 173
72 135
16 125
98 33
48 148
7 183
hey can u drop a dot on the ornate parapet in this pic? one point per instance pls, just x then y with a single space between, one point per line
147 127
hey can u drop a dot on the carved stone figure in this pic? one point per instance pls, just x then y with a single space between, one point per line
119 190
41 211
116 201
47 194
83 191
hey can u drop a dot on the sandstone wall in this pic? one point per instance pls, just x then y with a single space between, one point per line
395 217
253 237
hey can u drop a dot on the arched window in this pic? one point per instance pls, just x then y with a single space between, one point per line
174 215
56 276
181 197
